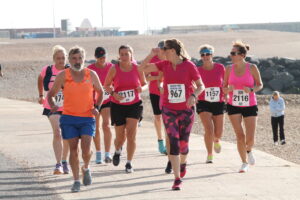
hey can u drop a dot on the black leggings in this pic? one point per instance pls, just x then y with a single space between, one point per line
275 122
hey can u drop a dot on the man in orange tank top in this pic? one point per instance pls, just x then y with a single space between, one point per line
78 118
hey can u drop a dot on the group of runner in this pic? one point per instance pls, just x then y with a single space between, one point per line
76 100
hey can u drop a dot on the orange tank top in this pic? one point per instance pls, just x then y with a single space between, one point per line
78 97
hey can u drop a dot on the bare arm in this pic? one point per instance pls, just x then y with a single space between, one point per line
108 84
58 84
142 80
40 89
226 87
194 97
97 87
257 78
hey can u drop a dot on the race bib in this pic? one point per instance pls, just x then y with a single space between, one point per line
176 93
59 99
105 96
128 95
240 98
212 94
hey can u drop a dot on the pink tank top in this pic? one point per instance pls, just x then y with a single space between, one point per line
101 72
125 84
213 82
238 97
153 87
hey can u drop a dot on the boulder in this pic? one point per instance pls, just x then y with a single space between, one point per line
266 91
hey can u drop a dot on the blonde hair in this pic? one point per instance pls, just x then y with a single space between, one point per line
206 46
275 93
58 48
241 46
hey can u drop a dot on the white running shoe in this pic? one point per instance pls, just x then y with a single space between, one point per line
251 159
244 168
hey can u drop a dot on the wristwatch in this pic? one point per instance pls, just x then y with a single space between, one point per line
97 107
251 89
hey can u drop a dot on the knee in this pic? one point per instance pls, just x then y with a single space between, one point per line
184 147
240 137
105 126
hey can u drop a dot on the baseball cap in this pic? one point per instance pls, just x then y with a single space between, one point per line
100 52
161 44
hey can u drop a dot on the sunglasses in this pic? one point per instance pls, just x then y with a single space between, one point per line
205 54
234 53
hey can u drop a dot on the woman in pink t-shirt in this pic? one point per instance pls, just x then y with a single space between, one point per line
125 81
241 81
45 83
179 99
154 79
101 67
210 106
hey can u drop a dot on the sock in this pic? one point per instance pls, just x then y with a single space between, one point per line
118 151
77 180
64 161
98 152
107 154
128 161
160 140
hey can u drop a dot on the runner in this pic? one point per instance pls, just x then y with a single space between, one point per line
101 67
45 82
178 100
125 82
154 91
77 121
241 81
210 106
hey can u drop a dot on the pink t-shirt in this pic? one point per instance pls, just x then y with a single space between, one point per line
177 83
59 96
213 82
153 87
102 72
238 97
125 84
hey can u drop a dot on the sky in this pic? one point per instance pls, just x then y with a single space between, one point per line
144 14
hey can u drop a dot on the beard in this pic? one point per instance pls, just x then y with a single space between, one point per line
77 67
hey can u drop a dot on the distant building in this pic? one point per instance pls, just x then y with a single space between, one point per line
31 32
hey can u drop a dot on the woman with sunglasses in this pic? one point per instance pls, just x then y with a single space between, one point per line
179 74
210 106
101 67
241 81
125 81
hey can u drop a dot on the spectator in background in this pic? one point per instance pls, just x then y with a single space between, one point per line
1 74
277 107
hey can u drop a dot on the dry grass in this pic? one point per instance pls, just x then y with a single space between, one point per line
22 61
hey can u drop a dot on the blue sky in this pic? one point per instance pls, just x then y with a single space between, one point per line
140 14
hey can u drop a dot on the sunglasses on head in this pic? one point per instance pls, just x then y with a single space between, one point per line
234 53
205 54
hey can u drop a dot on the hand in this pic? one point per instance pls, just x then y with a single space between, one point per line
117 96
247 89
154 51
139 89
191 101
54 109
41 100
95 112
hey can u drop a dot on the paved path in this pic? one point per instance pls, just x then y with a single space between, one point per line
26 140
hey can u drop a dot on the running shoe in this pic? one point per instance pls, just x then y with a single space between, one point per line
107 159
65 167
76 186
276 143
87 176
217 147
161 147
98 158
128 168
116 159
168 169
251 159
58 169
182 170
283 142
244 168
177 184
209 159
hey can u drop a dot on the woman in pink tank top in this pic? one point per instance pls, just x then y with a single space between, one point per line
210 106
125 82
60 146
101 67
241 81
